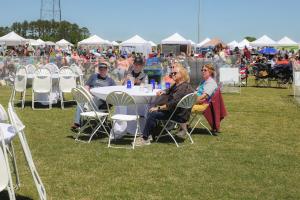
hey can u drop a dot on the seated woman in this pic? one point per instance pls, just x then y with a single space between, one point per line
175 93
206 89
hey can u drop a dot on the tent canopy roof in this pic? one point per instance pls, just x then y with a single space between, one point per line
285 41
135 40
263 41
203 42
114 43
213 42
12 37
152 44
93 40
63 42
175 39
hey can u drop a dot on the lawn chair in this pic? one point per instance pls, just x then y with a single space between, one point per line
119 98
42 83
9 134
77 70
6 180
19 128
186 102
66 83
20 84
89 113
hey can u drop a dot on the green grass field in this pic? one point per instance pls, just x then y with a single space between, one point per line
256 156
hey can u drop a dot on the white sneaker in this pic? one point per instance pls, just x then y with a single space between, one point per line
181 134
141 142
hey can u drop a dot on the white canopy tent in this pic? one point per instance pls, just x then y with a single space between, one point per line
244 43
63 43
50 43
176 39
203 42
114 43
37 42
233 44
285 41
136 44
263 41
192 43
13 39
94 40
175 44
153 44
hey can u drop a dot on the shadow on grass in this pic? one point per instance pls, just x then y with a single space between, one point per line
38 105
4 196
199 131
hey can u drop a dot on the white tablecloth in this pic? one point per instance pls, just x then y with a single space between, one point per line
143 97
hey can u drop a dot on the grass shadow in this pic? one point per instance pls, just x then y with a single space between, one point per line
4 195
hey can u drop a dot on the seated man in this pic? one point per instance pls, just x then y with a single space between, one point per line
136 72
175 93
99 79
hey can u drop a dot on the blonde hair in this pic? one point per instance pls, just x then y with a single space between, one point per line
184 73
211 69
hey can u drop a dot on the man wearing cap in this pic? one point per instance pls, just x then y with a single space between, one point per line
99 79
136 72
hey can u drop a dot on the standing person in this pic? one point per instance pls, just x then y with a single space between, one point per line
163 112
137 72
99 79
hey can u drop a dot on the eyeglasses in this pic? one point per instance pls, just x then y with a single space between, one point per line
204 70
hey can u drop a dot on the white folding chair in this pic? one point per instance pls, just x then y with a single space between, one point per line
42 83
5 180
19 128
119 98
186 102
77 70
9 133
20 84
89 113
66 83
30 68
53 68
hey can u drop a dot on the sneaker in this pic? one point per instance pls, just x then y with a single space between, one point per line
181 134
75 127
142 142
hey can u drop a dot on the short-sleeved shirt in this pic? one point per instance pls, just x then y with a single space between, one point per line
96 80
137 76
207 87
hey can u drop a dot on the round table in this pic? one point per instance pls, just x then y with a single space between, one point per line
142 96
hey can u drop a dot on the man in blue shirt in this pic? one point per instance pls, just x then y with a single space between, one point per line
99 79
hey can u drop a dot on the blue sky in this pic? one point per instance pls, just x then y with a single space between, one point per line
157 19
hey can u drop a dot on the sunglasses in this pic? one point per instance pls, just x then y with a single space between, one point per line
173 74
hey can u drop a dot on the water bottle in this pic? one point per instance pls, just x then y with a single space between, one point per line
128 84
152 83
146 80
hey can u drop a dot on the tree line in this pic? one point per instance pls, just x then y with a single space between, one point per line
48 30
